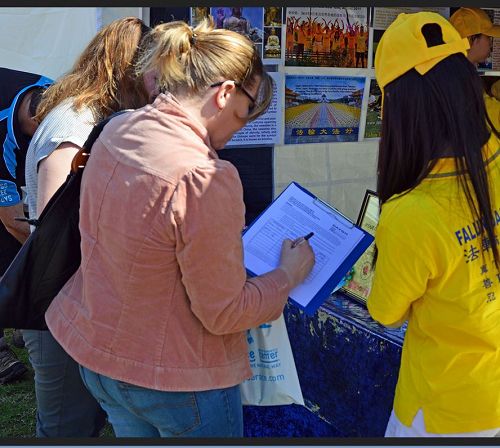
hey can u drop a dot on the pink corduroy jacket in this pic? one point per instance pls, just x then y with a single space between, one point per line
161 298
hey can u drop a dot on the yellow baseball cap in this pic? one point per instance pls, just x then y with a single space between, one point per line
403 46
470 21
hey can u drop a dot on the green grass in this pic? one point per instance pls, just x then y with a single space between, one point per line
18 403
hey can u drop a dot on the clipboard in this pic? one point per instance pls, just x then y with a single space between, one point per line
331 274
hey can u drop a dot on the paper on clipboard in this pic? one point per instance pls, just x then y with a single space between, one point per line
337 242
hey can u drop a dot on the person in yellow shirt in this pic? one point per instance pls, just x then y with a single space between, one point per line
317 40
327 37
290 37
492 103
476 26
361 47
301 39
351 46
495 89
438 263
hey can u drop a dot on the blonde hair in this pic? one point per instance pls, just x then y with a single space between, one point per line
103 78
189 61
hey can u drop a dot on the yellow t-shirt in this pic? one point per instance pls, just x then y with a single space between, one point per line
361 43
430 264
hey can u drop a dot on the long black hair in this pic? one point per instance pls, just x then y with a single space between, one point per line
438 114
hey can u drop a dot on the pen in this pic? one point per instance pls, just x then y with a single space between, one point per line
302 239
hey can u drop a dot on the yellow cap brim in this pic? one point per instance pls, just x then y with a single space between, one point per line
494 31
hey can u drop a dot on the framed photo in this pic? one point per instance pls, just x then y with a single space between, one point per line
360 284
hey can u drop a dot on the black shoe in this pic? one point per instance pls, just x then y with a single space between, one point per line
17 339
10 367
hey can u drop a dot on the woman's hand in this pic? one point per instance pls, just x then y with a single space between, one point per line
296 261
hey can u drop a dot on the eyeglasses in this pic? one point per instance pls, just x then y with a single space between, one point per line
245 91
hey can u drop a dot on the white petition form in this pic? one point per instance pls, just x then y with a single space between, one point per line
293 214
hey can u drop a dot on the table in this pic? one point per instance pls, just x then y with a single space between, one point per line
348 368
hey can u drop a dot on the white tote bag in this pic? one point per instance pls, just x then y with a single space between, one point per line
274 380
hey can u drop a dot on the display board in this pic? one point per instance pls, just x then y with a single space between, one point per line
255 168
325 118
341 102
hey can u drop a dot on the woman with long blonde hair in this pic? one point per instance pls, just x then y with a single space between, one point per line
156 314
101 82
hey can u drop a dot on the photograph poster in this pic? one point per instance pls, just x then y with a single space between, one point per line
263 26
169 14
373 124
327 37
322 109
248 21
360 284
198 13
273 35
267 129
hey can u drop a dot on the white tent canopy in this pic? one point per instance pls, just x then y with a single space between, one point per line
48 40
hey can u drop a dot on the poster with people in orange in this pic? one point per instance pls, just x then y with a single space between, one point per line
327 37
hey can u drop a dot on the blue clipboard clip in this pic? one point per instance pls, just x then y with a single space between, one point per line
327 208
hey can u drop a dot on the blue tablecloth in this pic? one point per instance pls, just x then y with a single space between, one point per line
348 367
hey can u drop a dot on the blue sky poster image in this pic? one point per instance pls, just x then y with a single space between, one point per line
322 109
246 21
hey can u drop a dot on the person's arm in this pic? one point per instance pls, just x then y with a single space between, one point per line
11 205
208 217
407 260
400 321
53 171
20 230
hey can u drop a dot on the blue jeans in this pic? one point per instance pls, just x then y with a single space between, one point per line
65 408
135 411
